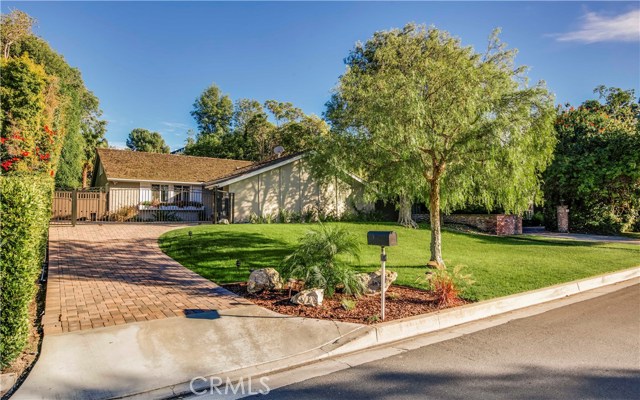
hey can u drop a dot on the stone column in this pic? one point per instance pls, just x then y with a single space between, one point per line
563 219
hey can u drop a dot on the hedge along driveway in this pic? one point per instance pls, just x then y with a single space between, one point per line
25 208
499 265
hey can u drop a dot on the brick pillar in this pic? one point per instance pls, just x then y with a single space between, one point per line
563 219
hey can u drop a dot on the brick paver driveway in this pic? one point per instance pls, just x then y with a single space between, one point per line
103 275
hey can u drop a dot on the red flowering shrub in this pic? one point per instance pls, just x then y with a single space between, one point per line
17 155
27 143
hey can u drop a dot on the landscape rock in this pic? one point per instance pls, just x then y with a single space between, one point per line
224 221
264 279
309 297
372 281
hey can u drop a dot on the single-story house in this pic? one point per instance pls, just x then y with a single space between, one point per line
241 189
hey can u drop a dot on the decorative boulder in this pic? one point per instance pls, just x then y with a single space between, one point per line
309 297
372 281
264 279
224 221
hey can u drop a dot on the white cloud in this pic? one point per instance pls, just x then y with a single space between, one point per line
603 28
173 126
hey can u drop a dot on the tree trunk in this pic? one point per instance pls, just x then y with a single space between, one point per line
85 175
434 218
404 214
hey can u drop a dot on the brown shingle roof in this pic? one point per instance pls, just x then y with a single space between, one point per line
126 164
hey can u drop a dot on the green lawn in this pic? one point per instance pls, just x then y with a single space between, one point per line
499 265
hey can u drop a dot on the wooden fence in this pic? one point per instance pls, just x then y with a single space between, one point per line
97 205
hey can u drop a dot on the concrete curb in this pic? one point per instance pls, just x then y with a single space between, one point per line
406 328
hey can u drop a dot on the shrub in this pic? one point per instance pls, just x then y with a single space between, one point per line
165 216
28 98
596 168
124 214
286 216
25 206
392 295
536 219
319 260
363 216
268 219
265 219
447 285
348 304
373 318
310 214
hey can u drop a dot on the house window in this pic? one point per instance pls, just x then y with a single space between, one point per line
182 193
160 193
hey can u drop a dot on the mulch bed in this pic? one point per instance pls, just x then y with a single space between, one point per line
401 302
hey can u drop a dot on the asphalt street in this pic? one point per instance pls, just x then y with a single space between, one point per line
587 350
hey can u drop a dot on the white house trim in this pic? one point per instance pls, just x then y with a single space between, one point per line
154 181
225 182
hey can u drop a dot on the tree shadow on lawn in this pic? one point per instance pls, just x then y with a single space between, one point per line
213 254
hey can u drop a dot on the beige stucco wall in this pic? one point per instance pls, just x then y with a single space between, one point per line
246 198
291 188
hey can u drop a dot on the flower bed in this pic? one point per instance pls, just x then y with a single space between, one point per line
401 302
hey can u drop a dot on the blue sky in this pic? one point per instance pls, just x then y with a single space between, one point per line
148 61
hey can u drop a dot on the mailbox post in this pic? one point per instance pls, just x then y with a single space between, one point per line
382 239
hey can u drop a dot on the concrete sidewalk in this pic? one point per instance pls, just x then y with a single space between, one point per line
149 358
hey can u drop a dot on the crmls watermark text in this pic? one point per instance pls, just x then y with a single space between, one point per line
217 385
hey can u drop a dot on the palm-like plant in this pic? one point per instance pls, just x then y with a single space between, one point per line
321 260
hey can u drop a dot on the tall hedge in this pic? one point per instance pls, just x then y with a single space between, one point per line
25 208
596 169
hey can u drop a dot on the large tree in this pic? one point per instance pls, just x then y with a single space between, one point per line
295 130
596 168
444 123
253 131
144 140
93 131
213 112
14 26
243 130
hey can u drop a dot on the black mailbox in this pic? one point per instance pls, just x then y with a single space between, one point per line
382 238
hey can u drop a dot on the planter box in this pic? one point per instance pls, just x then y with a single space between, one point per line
142 207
